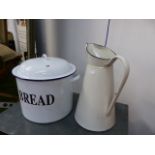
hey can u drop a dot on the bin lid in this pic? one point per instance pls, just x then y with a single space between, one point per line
44 68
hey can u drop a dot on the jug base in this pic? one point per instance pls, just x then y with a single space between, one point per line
95 128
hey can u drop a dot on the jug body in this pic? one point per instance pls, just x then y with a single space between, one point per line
97 93
95 110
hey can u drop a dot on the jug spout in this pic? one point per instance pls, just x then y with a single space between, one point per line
100 55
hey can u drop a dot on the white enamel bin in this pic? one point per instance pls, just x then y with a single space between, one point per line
45 88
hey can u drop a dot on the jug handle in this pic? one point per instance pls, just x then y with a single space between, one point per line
123 81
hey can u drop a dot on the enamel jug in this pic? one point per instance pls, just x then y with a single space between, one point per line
95 110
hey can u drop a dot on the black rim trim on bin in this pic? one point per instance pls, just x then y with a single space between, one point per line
45 79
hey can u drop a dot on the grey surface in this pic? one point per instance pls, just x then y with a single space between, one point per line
12 122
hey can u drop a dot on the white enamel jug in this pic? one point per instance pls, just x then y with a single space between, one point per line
95 110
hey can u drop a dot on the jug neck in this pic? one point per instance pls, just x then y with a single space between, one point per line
99 62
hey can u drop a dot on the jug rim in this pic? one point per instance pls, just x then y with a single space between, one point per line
100 46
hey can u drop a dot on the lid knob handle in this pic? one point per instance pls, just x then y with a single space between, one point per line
44 56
